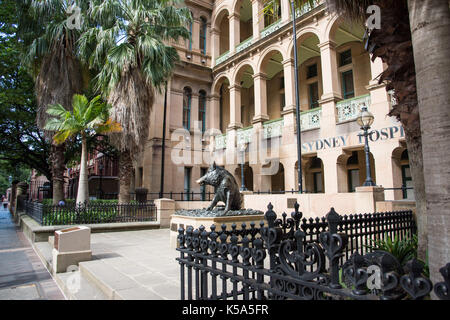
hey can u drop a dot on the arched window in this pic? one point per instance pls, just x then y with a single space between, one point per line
203 35
187 98
202 109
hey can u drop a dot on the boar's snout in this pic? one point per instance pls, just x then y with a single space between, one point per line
201 181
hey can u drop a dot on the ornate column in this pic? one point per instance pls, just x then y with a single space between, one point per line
215 45
194 110
331 91
257 18
285 10
234 22
289 110
260 88
214 112
235 107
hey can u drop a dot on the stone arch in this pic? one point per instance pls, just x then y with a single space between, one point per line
220 12
238 70
303 33
266 54
331 27
220 78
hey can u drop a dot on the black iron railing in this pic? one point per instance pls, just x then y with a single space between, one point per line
90 213
276 261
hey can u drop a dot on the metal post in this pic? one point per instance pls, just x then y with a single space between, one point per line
101 180
297 103
161 191
368 181
243 188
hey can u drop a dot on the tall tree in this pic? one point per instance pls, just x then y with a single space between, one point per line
430 30
23 143
85 119
51 56
129 46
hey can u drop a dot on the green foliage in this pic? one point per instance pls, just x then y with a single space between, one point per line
23 144
133 34
71 217
404 250
86 118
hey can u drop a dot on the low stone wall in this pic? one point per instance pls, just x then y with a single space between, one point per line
396 205
37 233
188 205
319 204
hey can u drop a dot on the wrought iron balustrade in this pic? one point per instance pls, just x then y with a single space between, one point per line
244 135
244 44
349 109
223 57
276 260
310 119
273 128
220 141
90 213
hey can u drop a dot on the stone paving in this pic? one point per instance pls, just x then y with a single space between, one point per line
135 264
22 274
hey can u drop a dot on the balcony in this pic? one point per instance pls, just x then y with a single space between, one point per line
348 110
267 31
221 141
271 28
273 128
244 44
224 56
244 135
310 119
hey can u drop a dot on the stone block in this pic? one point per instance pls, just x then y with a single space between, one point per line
73 239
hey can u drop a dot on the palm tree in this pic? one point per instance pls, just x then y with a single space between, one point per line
50 55
129 48
430 30
85 119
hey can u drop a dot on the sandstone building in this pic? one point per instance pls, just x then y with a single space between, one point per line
236 76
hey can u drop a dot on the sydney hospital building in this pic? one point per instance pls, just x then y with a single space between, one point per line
236 80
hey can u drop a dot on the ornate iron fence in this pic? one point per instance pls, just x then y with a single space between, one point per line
277 261
90 213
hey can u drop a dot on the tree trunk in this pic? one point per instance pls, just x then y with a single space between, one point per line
83 184
58 168
414 144
125 172
430 30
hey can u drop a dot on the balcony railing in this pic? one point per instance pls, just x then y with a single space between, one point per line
306 8
267 31
244 44
271 28
221 141
349 109
310 119
273 128
244 135
224 56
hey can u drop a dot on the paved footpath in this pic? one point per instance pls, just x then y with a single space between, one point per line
22 274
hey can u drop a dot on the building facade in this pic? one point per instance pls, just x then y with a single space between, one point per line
232 98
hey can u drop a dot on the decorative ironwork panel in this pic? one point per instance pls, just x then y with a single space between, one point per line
220 141
278 260
244 45
273 128
305 8
310 119
223 57
244 135
271 28
349 109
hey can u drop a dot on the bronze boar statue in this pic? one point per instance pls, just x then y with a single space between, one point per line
226 188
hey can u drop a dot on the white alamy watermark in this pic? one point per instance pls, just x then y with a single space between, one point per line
74 21
374 20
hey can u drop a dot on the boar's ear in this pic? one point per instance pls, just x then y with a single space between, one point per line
213 166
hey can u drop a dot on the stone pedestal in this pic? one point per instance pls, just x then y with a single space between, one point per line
164 210
178 221
71 246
